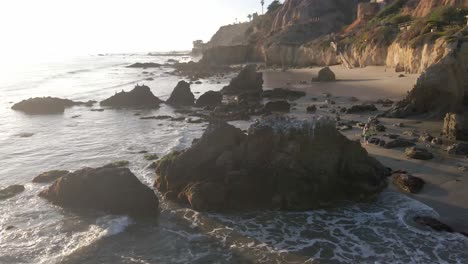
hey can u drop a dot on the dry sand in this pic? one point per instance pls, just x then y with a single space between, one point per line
446 188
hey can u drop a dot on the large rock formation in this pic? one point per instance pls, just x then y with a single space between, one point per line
325 75
181 95
248 81
440 89
210 98
49 176
140 96
11 191
112 190
281 164
45 105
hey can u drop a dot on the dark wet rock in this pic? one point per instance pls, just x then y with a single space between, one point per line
325 75
353 99
408 183
44 105
361 108
280 93
385 102
393 136
149 79
198 82
10 227
432 223
181 95
280 164
117 164
76 116
25 135
195 121
399 125
198 70
418 153
97 110
111 190
458 149
455 127
436 141
345 128
140 96
399 68
49 176
378 127
311 109
330 102
401 76
11 191
210 98
151 157
411 133
144 65
160 117
278 106
248 81
399 143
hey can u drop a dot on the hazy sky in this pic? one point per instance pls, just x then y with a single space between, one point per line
70 27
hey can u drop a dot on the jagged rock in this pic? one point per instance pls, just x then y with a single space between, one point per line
418 153
278 106
361 108
44 105
49 176
281 164
160 117
248 81
111 190
426 138
458 149
330 102
325 75
455 127
311 109
181 95
210 98
151 157
437 141
144 65
408 183
11 191
399 143
140 96
433 224
280 93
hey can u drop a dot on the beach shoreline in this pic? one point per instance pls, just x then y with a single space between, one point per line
446 184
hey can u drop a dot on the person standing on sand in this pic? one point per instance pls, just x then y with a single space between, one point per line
366 134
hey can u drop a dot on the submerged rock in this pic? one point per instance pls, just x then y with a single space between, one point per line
432 223
44 105
140 96
144 65
325 75
210 98
408 183
49 176
280 93
117 164
311 109
111 190
361 108
11 191
248 81
418 153
281 164
278 106
181 95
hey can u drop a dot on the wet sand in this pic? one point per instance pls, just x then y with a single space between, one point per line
446 188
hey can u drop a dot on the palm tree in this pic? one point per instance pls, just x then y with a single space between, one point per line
263 3
249 17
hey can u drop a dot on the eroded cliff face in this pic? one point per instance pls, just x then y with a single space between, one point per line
421 8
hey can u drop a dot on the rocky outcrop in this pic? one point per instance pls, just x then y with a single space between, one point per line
418 153
408 183
45 105
325 75
139 97
280 93
112 190
432 223
361 108
11 191
210 98
181 95
145 65
422 8
440 89
280 164
49 176
248 81
455 127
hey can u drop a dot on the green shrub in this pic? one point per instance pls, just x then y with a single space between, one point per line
448 15
392 8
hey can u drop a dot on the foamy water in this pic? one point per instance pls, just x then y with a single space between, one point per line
378 232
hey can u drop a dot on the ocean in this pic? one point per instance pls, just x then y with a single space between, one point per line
376 232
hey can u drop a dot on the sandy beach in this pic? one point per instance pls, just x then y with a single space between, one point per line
446 182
